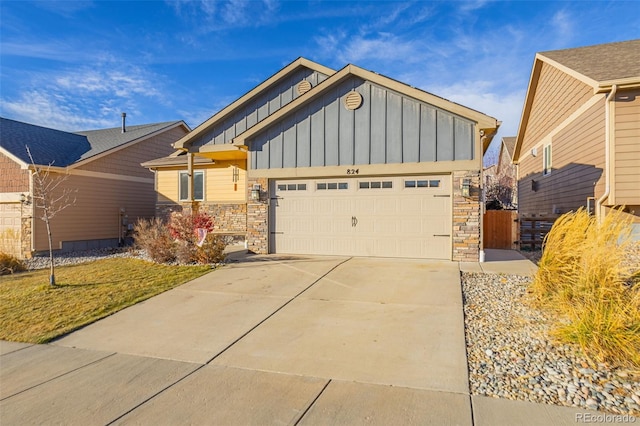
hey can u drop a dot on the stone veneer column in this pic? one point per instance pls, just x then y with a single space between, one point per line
257 217
466 218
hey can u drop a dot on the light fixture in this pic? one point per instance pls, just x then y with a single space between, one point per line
255 192
465 187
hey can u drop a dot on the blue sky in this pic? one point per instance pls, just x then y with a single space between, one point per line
78 65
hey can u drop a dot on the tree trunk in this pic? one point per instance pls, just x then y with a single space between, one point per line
52 276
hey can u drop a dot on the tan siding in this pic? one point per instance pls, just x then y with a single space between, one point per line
219 185
127 161
95 213
167 185
577 167
557 96
12 177
626 189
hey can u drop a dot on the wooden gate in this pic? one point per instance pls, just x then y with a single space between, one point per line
500 229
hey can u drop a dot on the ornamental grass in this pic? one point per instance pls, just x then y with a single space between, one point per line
585 278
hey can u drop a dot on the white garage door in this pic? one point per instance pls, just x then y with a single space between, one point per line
10 228
408 216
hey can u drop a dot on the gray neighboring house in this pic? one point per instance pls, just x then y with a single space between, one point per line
348 162
113 191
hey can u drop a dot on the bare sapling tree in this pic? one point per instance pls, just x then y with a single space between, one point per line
50 197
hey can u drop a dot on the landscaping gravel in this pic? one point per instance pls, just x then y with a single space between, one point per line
72 258
512 356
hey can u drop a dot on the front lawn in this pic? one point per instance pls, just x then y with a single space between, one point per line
32 311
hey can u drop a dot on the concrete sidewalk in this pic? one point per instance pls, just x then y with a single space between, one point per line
272 340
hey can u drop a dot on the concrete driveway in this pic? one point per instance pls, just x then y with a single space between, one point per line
266 341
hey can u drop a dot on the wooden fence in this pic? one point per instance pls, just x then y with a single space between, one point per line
533 230
501 229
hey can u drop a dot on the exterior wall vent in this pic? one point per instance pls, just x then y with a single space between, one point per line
303 87
353 100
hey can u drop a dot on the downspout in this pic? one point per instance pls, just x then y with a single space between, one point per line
607 149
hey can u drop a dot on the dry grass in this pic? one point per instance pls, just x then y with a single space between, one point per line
583 277
32 311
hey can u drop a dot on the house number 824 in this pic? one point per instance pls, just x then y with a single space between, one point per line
353 171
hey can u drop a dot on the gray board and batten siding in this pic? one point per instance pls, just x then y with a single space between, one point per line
266 104
387 128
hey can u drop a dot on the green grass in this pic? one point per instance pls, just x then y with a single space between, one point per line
32 311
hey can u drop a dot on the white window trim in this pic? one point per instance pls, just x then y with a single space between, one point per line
547 160
204 188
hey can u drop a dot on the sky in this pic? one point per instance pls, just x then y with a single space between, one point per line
77 65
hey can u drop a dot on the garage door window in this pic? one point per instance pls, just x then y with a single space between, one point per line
422 183
292 187
387 184
332 185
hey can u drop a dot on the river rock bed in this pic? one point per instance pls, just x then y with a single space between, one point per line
510 353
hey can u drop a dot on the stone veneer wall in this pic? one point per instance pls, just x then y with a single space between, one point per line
466 218
257 217
228 217
26 222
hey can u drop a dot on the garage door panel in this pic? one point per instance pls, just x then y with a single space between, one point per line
363 219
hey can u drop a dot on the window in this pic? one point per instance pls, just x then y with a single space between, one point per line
546 160
422 183
292 187
198 186
375 184
332 185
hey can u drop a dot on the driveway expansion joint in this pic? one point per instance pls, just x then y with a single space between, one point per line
277 310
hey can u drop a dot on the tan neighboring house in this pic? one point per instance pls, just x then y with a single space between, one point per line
103 166
578 143
348 162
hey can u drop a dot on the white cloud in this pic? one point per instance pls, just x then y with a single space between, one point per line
360 48
215 15
84 98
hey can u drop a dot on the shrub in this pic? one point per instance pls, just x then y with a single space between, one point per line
583 277
154 237
183 228
10 264
212 250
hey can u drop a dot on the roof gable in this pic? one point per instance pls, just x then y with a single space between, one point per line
217 124
486 123
63 149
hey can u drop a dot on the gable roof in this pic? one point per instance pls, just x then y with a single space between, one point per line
486 123
509 143
249 96
63 149
602 63
599 66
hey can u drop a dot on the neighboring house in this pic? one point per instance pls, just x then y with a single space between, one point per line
103 166
578 143
349 162
506 176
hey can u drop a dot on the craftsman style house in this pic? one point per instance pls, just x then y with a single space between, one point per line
348 162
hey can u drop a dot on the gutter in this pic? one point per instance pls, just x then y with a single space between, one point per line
607 148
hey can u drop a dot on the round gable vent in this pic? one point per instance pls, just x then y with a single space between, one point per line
353 100
303 87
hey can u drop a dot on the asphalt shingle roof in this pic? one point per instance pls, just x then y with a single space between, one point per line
602 62
50 146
